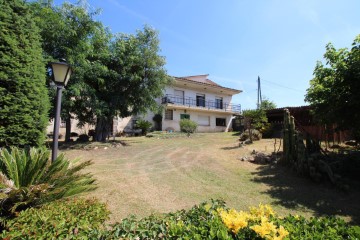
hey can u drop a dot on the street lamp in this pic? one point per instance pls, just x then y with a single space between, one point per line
61 73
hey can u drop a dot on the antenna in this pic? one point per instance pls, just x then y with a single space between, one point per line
259 97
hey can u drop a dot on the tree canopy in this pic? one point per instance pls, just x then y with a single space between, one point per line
334 90
23 95
114 74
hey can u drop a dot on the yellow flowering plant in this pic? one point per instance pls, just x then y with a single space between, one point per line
255 223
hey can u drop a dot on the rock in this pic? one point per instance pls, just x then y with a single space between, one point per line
105 148
95 148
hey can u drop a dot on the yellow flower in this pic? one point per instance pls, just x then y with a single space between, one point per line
282 232
260 230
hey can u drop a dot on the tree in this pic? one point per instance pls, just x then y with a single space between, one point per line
256 118
23 96
334 90
266 104
66 32
124 78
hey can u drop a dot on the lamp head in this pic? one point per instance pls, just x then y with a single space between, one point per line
61 72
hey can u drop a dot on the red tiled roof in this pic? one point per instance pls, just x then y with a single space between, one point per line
205 82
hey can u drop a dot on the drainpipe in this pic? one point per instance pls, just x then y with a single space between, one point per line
227 127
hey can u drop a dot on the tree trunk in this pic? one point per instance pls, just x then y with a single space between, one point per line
68 128
102 129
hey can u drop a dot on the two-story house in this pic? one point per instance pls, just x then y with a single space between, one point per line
193 97
196 98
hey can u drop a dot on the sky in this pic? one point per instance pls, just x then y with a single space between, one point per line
235 41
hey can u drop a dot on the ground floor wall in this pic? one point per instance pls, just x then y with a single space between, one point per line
207 122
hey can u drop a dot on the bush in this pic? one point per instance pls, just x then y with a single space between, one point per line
188 126
256 135
143 125
83 138
74 134
24 100
65 219
215 221
28 179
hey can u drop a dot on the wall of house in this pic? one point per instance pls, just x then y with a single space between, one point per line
190 93
194 116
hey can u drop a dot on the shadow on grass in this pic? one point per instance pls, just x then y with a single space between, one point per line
294 192
230 148
89 145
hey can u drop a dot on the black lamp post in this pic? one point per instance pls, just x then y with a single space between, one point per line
61 73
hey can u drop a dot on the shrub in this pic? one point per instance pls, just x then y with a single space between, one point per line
30 179
200 222
215 221
24 101
74 134
83 138
188 126
143 125
256 135
64 219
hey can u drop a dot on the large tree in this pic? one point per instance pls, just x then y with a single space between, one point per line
124 77
334 90
66 32
23 96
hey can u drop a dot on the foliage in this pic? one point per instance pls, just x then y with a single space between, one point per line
266 104
215 221
318 228
83 138
66 32
63 219
255 135
143 125
29 179
188 126
124 78
256 119
23 99
200 222
334 90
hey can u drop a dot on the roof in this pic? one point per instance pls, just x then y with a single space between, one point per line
203 80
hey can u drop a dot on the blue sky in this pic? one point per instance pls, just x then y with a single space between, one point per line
235 41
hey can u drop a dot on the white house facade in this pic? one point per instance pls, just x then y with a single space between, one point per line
196 98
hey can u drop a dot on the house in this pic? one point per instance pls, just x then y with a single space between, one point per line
196 98
192 97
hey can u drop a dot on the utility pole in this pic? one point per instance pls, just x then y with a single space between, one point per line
259 98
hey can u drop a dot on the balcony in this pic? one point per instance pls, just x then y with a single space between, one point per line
201 103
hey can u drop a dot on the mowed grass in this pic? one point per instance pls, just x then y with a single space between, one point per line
151 175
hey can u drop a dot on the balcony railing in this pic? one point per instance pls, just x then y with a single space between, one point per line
201 103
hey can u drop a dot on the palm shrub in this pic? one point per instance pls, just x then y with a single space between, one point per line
28 179
143 125
188 126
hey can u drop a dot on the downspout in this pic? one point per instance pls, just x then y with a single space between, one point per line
227 127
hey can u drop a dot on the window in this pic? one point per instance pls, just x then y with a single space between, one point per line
184 116
219 103
179 96
221 122
169 114
204 120
200 100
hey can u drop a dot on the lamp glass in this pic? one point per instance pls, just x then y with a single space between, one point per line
61 73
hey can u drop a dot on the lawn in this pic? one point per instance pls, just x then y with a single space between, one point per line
155 175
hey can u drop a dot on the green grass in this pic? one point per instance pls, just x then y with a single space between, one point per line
154 175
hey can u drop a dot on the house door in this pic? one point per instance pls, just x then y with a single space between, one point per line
179 97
